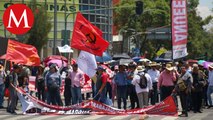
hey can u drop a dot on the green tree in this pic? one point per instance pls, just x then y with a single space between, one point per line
156 14
198 37
38 35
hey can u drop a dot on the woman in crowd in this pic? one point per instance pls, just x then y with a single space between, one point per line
39 83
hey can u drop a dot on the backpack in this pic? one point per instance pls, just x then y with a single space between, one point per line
143 81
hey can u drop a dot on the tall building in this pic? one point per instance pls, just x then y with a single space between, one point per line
97 12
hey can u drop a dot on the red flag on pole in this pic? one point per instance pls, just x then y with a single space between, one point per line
87 37
22 53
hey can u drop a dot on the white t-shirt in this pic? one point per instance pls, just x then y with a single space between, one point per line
136 81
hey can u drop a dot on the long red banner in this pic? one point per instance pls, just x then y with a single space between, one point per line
166 107
179 28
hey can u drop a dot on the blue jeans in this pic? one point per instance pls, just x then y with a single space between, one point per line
76 95
209 92
101 97
2 94
121 94
93 89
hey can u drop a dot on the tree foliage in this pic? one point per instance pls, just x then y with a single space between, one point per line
38 35
156 14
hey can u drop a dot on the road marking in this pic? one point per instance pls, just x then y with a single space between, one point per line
119 117
169 118
93 117
68 117
42 117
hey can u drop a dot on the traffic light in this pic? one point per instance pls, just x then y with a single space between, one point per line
139 7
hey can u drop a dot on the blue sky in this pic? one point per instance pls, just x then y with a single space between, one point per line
208 3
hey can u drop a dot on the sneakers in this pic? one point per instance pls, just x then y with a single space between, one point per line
14 113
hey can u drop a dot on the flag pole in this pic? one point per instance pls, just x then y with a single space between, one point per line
171 28
5 64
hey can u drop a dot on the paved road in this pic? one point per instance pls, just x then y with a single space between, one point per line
206 115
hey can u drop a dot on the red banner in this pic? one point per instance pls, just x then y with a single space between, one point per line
22 53
179 28
166 107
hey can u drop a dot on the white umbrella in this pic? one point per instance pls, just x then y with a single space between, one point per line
145 60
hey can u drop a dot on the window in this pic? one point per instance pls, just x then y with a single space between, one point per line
92 18
98 2
92 8
103 2
92 1
85 7
98 11
86 16
85 1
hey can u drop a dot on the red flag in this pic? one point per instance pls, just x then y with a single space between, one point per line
22 53
87 37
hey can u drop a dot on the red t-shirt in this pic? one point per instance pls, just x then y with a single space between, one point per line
104 77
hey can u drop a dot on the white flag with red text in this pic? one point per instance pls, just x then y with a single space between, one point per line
179 28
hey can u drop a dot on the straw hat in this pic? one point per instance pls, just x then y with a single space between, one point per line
211 66
169 67
140 68
153 64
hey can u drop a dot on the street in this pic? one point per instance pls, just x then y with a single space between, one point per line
206 115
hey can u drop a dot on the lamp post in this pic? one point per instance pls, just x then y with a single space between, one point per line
55 27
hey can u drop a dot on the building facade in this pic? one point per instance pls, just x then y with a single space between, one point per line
98 12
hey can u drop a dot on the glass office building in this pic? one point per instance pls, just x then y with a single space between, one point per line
89 8
101 18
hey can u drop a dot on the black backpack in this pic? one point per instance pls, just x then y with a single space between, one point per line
143 81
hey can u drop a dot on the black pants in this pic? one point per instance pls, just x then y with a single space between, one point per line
121 94
205 95
184 102
55 98
154 94
41 93
67 95
133 96
165 92
197 100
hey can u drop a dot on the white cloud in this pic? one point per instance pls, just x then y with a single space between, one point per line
204 11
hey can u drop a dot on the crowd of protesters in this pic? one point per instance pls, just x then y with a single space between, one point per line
192 83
